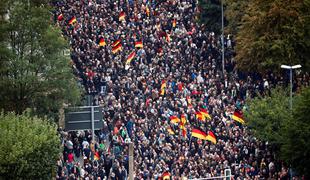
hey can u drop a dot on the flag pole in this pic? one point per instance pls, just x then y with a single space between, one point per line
190 141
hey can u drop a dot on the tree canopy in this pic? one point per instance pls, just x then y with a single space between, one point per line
29 147
34 72
287 131
274 33
296 147
234 12
210 15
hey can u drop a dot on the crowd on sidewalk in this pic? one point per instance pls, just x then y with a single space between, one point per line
146 61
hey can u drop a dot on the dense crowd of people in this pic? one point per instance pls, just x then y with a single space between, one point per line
176 72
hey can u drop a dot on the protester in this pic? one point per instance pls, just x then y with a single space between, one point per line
176 72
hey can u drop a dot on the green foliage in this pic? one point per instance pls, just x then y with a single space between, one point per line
274 33
234 12
267 116
296 149
34 71
29 147
287 131
211 14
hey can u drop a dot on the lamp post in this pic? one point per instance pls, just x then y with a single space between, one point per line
291 80
223 53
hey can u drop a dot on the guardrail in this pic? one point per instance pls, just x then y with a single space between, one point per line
227 176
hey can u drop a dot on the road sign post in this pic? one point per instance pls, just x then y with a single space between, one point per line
227 174
84 118
131 164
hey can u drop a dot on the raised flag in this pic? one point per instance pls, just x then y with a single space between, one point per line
211 137
117 48
237 116
199 134
199 116
174 23
182 125
163 87
174 119
182 122
138 44
102 42
115 43
130 57
170 131
121 16
97 156
205 113
189 101
72 20
184 132
147 11
166 176
60 17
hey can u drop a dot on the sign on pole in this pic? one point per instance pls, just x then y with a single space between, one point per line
83 118
228 174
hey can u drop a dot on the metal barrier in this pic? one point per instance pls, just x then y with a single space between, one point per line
227 176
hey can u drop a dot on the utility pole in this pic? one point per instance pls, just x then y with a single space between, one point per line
223 50
131 161
93 123
291 80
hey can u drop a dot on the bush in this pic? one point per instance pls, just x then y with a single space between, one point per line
29 147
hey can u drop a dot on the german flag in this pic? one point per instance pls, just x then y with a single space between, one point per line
138 44
96 156
121 16
60 17
130 57
211 137
115 43
199 116
166 176
147 11
163 87
182 125
184 132
174 23
170 131
174 119
102 42
199 134
72 20
205 113
237 116
182 122
189 101
117 48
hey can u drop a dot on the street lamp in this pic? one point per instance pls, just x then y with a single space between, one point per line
291 80
223 53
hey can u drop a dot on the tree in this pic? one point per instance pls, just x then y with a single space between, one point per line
29 147
296 148
286 131
268 115
34 72
211 14
234 12
274 33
